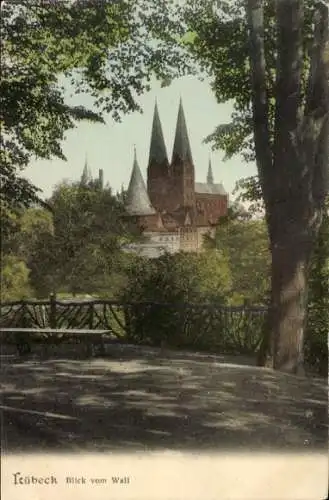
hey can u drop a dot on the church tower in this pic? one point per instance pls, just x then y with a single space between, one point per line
158 166
86 176
137 200
182 167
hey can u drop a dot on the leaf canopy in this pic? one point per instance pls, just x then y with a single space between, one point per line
107 50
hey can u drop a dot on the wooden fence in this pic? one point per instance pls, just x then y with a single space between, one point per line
203 326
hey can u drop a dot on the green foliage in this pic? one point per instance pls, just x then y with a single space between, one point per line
108 50
75 247
35 224
182 277
173 281
246 247
31 227
82 254
249 191
218 40
14 279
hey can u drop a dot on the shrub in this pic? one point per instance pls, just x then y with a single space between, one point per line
171 289
14 279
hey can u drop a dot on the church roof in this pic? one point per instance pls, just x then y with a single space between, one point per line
206 188
138 202
182 148
209 187
158 150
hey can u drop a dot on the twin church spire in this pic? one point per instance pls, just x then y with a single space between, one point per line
182 148
169 186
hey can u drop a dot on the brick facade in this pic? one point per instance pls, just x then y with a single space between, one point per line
173 202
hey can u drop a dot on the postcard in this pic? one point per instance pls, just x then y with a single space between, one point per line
164 240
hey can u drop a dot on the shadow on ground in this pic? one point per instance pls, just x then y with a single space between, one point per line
148 400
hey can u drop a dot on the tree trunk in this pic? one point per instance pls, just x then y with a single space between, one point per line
290 265
291 249
293 170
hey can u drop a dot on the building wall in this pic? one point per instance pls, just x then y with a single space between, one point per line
145 250
213 205
158 185
156 244
167 194
153 222
188 239
170 240
181 186
192 239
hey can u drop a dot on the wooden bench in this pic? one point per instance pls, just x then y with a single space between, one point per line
24 337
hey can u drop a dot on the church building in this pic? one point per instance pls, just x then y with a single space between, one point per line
172 210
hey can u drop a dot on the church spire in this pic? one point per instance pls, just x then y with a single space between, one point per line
137 200
158 152
86 176
210 176
182 148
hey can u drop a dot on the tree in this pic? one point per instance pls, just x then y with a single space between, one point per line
82 253
245 244
35 223
74 248
18 242
109 50
294 171
274 63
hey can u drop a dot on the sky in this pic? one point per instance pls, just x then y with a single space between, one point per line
111 146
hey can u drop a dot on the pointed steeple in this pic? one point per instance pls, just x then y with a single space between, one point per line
158 152
182 148
86 174
137 201
210 176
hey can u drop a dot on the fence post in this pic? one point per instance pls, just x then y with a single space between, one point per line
52 311
91 316
24 314
22 338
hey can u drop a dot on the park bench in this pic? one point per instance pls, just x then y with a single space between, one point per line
23 338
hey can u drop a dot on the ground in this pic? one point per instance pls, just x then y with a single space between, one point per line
147 399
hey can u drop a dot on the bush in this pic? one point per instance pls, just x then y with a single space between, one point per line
171 289
14 279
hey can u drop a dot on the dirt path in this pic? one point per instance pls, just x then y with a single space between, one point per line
144 400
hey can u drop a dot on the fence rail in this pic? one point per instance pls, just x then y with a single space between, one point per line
205 326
